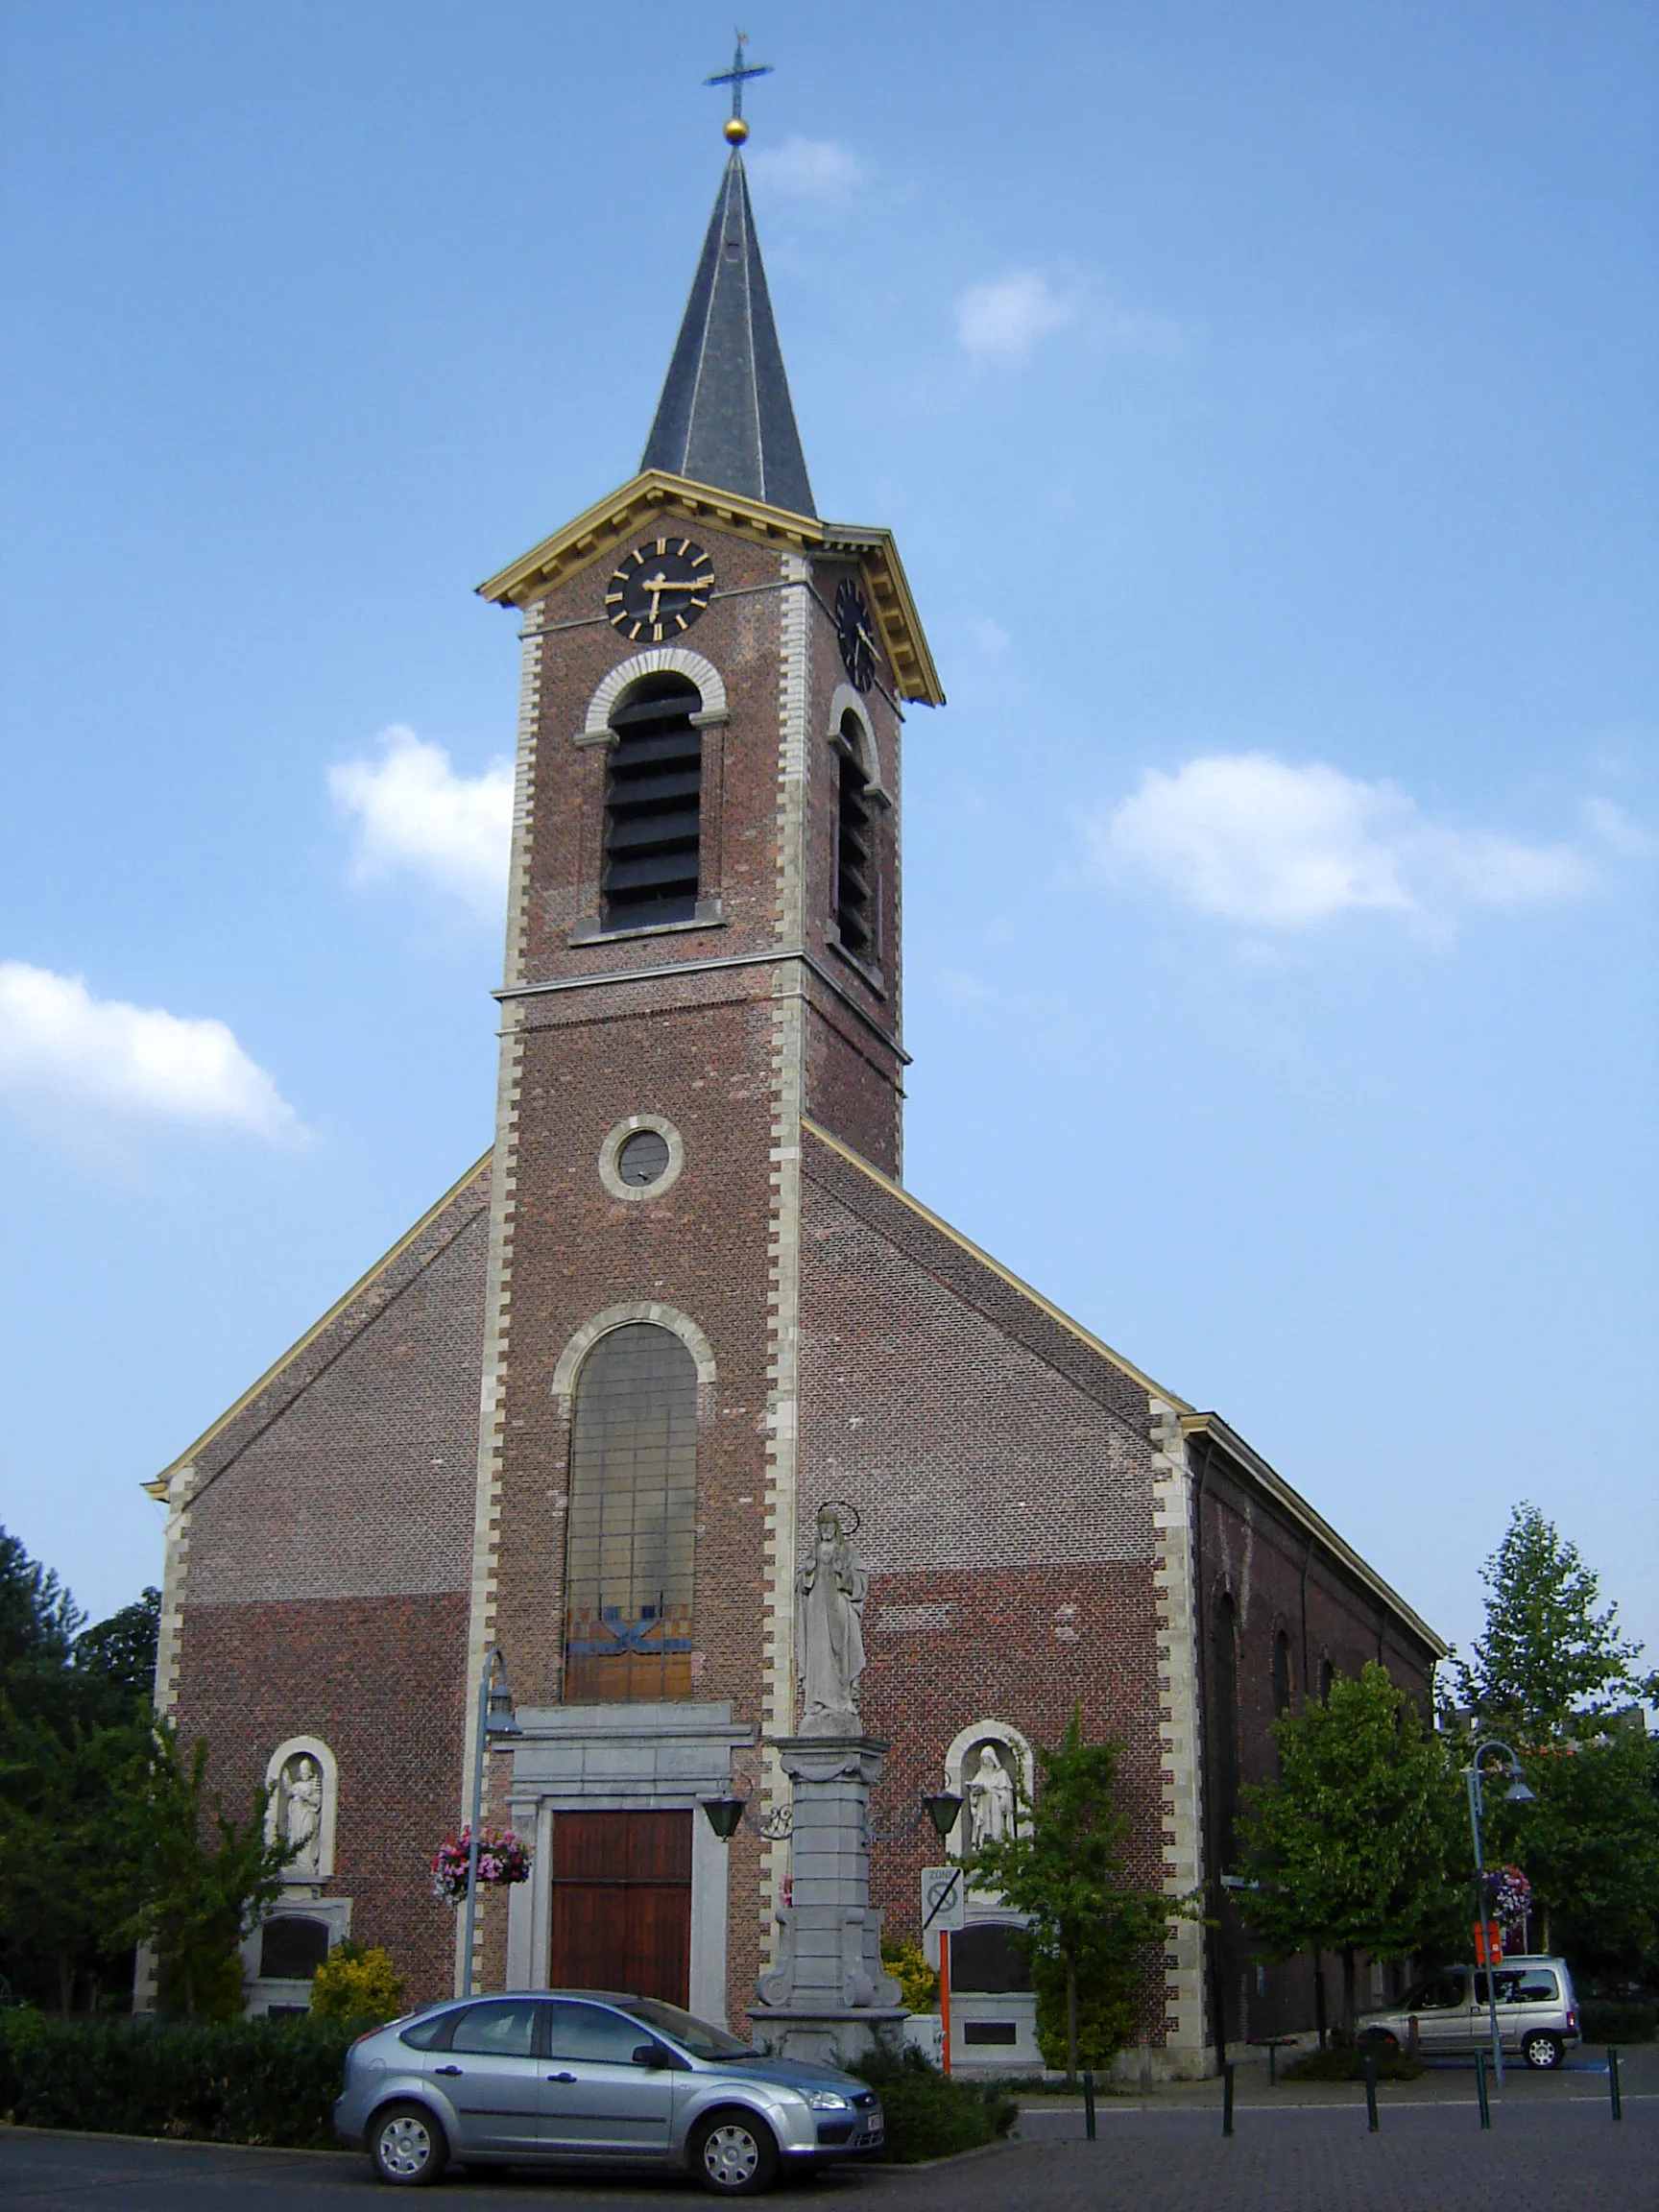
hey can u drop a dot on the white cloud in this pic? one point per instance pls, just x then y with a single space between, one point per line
808 169
1252 841
1004 319
1609 822
61 1048
412 811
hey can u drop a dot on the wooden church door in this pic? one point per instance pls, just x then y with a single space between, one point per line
622 1903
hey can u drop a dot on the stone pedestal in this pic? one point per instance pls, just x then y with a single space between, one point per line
830 1997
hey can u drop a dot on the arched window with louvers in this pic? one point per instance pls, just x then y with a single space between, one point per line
651 861
858 854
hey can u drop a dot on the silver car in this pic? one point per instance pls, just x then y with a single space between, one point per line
584 2078
1537 2011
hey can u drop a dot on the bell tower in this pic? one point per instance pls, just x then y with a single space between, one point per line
703 945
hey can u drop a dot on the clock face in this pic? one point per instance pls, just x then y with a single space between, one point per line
856 629
660 590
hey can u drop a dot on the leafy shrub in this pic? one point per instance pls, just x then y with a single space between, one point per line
917 1981
356 1981
1346 2062
252 2082
1619 2019
1107 1991
930 2114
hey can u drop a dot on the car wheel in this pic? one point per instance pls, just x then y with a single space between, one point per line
1542 2051
407 2145
733 2154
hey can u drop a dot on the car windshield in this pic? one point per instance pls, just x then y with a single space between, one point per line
693 2035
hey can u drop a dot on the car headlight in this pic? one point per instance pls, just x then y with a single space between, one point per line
828 2101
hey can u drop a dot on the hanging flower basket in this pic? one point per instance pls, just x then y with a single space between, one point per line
1510 1896
501 1858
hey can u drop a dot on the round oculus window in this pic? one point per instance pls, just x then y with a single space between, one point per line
642 1158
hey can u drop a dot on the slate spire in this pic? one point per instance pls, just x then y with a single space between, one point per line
724 418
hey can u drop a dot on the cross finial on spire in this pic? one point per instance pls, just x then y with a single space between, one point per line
736 130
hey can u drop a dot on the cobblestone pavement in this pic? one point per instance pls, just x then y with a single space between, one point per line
1555 2157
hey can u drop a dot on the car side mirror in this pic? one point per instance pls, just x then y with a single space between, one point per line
650 2054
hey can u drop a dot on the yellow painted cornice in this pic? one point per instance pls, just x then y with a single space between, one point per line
592 536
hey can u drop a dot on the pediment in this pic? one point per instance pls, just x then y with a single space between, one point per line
596 533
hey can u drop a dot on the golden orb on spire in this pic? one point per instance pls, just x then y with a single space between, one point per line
736 129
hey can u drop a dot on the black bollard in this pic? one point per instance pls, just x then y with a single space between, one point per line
1273 2063
1088 2105
1227 2100
1480 2088
1370 2061
1613 2083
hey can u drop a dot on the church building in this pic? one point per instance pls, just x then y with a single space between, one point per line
588 1409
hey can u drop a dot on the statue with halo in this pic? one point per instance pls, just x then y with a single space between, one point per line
831 1587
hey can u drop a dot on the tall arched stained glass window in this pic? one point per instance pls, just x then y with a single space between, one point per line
631 1546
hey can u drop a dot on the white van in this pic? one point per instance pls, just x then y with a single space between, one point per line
1537 2013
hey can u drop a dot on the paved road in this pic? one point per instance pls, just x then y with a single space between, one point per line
1563 2156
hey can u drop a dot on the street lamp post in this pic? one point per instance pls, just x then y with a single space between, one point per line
1516 1793
497 1726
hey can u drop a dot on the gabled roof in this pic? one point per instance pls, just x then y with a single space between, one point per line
610 523
1006 1275
1291 1502
725 418
1247 1462
380 1278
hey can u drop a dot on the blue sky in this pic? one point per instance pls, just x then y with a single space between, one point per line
1263 398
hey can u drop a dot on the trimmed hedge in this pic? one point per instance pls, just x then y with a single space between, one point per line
1346 2062
932 2115
275 2081
271 2082
1619 2019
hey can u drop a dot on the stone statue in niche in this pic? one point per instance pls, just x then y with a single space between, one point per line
988 1789
830 1588
300 1813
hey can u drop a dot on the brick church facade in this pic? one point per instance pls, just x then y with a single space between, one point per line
586 1410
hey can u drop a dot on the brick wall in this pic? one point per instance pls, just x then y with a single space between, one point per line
379 1681
1279 1576
1006 1502
324 1576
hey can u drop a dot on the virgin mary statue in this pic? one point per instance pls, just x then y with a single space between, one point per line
829 1591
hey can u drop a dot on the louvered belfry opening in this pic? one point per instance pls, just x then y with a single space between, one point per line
653 807
631 1539
854 853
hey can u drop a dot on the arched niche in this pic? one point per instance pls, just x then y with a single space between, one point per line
303 1779
1002 1740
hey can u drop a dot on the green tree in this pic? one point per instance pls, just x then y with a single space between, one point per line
1356 1845
203 1878
118 1655
1554 1675
73 1715
1589 1846
1087 1930
1548 1660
